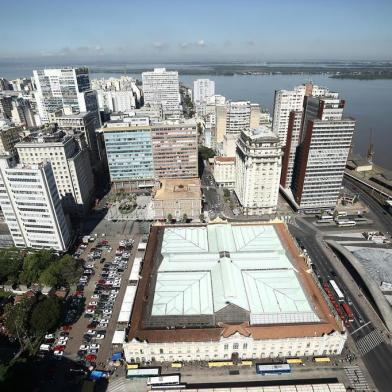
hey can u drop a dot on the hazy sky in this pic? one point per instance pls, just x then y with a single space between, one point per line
188 30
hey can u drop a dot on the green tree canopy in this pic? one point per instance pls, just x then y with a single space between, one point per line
16 317
10 265
206 153
34 264
61 272
45 315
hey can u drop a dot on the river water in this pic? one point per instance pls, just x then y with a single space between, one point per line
368 101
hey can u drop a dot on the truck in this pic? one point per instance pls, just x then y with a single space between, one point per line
86 239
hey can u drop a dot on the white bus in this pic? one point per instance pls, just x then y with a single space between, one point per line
346 223
164 381
338 292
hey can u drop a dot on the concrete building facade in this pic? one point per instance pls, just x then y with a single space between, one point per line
258 165
202 90
162 87
71 167
322 153
224 171
31 206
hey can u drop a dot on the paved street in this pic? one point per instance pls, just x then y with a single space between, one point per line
373 351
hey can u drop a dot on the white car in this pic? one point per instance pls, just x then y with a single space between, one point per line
99 336
95 346
63 339
58 353
91 332
89 311
93 303
89 266
49 336
84 347
95 296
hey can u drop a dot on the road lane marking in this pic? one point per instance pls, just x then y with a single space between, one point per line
363 326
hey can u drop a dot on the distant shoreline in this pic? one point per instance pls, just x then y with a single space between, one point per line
358 73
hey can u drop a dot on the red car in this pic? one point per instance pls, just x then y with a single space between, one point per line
60 347
90 357
104 242
66 328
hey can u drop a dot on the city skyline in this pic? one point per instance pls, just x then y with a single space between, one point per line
246 31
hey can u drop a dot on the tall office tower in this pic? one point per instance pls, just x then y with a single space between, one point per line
322 153
5 84
22 113
258 164
174 149
129 155
6 106
86 123
61 88
162 87
31 206
220 119
71 167
203 89
287 101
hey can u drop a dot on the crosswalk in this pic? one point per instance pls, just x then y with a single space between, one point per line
369 342
122 384
356 378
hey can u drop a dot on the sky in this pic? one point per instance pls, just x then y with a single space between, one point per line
188 30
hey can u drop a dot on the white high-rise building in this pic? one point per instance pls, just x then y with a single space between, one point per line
31 206
62 88
162 87
258 164
116 101
203 89
322 153
287 101
71 167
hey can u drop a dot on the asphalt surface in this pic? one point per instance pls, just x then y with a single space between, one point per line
378 358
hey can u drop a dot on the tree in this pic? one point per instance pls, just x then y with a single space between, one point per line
34 264
10 265
201 217
206 153
16 318
185 218
169 217
61 272
45 315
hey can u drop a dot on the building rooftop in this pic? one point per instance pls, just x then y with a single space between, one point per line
202 282
184 188
261 132
206 268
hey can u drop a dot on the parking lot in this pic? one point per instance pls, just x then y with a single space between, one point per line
91 312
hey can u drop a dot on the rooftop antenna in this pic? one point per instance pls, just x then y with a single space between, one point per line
370 152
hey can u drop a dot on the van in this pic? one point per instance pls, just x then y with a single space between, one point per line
44 347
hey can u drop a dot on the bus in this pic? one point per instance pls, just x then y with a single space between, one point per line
272 368
346 223
341 213
325 218
323 221
246 363
295 361
337 291
321 359
176 365
142 372
132 366
163 381
349 312
220 363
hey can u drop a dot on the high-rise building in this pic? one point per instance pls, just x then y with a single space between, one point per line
162 87
129 155
138 155
287 101
31 206
61 88
322 153
71 167
258 165
174 149
203 89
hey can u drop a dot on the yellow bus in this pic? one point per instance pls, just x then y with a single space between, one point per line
220 363
321 359
133 366
294 360
246 363
176 365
